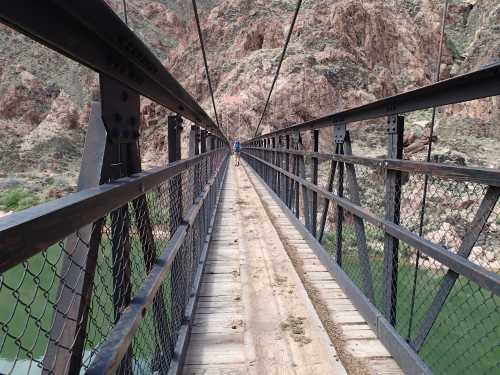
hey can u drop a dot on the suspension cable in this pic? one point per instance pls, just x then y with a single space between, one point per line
426 178
195 9
125 11
299 3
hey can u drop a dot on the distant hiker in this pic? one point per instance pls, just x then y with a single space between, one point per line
237 149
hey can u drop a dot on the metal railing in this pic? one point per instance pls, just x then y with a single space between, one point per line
425 275
105 280
107 255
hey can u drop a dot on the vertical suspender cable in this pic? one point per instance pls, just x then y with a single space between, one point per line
125 11
426 178
299 3
200 35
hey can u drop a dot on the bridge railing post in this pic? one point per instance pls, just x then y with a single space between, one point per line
339 134
264 157
392 213
274 155
359 226
314 203
268 170
306 200
288 181
72 327
175 217
281 177
294 190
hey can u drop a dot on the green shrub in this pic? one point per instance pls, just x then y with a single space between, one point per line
17 199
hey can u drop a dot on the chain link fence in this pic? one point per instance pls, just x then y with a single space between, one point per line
450 320
61 304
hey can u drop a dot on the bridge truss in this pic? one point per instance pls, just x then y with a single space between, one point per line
125 252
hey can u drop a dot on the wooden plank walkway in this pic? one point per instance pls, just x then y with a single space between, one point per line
356 338
254 315
217 335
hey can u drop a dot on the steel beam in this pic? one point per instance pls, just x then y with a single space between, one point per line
485 176
90 33
392 212
475 85
486 279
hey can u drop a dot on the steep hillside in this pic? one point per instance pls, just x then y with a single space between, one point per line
342 53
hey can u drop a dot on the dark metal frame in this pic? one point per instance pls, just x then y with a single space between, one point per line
409 361
479 84
90 33
486 279
114 349
111 177
257 151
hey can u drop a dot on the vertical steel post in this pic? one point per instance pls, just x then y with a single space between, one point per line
296 189
359 226
287 167
340 130
264 157
392 213
314 205
326 202
69 321
203 150
281 177
205 178
175 217
267 159
274 162
306 200
121 116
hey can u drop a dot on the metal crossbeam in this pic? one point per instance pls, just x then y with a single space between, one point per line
24 234
486 279
475 85
90 33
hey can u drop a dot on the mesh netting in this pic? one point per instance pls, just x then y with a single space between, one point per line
65 301
451 321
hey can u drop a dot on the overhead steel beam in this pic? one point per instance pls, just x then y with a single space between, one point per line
475 85
90 33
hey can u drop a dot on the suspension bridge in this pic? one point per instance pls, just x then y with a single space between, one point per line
301 260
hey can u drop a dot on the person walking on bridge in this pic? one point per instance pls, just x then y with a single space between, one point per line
237 149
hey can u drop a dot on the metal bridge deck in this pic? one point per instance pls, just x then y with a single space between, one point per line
259 311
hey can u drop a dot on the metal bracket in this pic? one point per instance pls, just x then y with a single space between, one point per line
174 137
392 124
179 120
120 111
339 132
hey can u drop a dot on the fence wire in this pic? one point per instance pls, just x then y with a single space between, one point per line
457 334
64 301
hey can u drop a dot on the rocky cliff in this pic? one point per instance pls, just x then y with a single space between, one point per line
342 54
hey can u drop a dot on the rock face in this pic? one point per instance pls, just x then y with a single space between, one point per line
342 54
